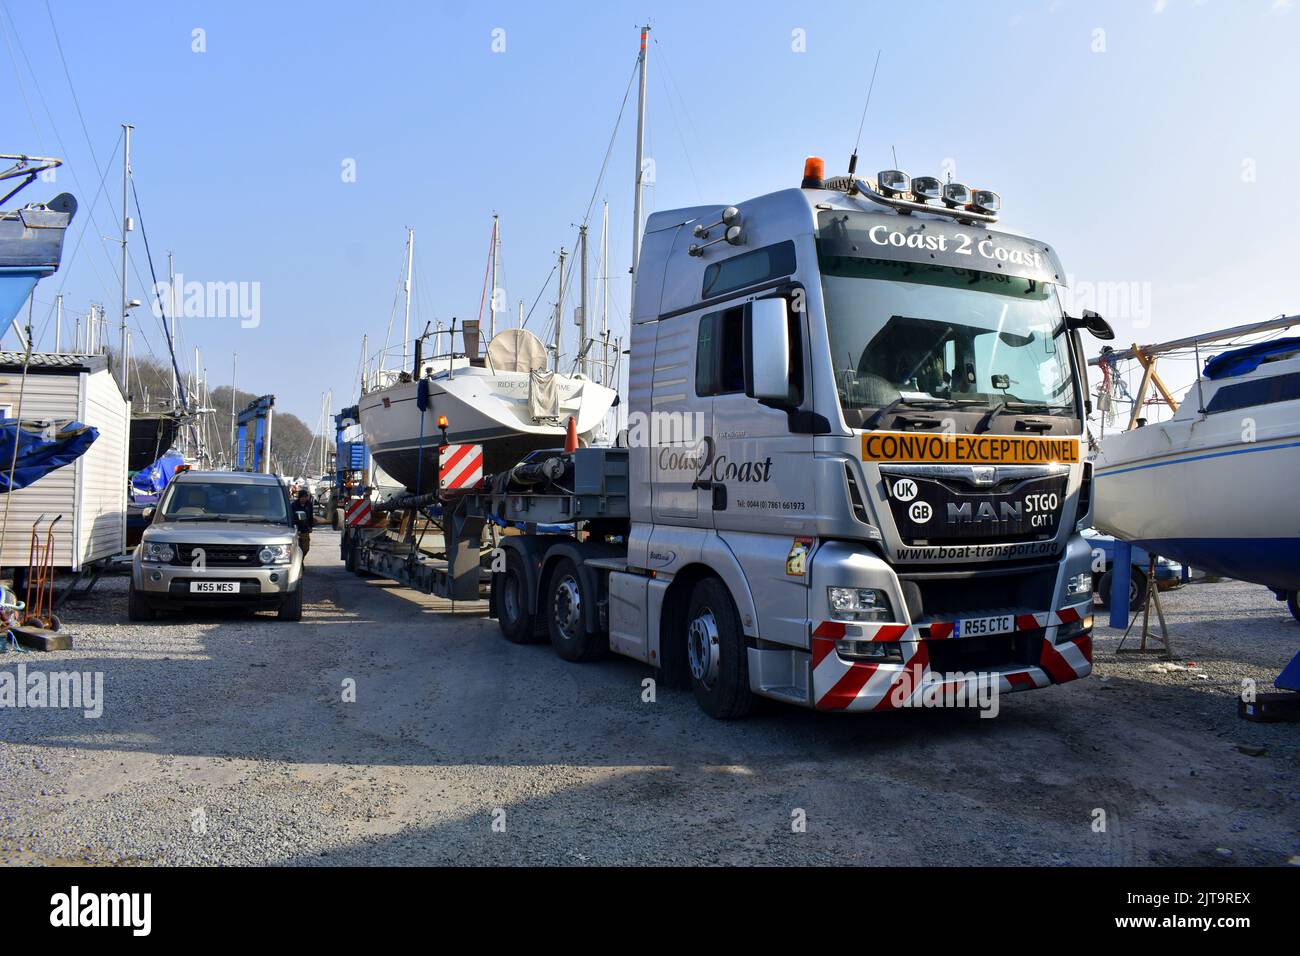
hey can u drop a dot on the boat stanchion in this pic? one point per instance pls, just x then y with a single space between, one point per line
1148 645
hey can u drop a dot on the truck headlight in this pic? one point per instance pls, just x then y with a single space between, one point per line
274 554
158 552
1079 585
859 604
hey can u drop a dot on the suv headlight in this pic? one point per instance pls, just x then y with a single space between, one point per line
859 604
158 552
274 554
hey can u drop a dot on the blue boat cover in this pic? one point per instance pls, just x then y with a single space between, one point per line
1241 361
149 483
42 447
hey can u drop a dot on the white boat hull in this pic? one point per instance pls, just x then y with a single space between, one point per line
481 407
1219 493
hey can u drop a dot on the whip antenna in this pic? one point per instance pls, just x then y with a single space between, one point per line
853 160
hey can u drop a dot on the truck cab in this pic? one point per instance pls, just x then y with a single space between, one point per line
856 413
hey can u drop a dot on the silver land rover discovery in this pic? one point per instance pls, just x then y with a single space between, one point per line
219 538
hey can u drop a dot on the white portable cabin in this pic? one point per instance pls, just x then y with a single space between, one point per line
91 492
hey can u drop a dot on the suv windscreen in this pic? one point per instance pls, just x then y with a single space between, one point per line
224 501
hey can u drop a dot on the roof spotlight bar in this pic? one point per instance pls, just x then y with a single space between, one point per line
954 200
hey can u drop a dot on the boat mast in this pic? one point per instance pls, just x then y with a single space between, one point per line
58 322
171 310
234 359
604 295
1271 325
582 303
559 315
492 290
126 228
640 152
406 322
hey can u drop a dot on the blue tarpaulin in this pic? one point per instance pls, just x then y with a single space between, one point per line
42 447
149 483
1241 361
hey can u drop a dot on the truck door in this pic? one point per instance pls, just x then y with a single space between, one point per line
761 454
763 462
678 425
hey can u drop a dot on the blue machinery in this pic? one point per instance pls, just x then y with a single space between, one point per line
260 413
351 458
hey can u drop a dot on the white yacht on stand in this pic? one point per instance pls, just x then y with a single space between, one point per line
507 402
1215 486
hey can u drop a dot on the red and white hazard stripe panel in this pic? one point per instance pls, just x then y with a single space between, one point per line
358 513
840 684
460 467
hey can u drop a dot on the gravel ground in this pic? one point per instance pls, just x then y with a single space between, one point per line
225 740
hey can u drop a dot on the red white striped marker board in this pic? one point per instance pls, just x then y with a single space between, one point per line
460 467
358 512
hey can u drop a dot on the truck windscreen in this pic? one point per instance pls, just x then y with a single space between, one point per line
934 334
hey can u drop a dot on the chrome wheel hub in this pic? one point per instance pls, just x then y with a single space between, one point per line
568 606
702 647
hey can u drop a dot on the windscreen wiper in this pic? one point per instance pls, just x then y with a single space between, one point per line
1003 406
899 402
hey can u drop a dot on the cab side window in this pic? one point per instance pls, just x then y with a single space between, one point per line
720 353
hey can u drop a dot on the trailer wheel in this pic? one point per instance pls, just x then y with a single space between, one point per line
518 626
137 608
566 604
716 653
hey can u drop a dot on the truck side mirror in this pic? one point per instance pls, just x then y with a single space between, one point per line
1098 326
767 350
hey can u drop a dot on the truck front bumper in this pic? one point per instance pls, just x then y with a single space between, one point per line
1046 648
1019 628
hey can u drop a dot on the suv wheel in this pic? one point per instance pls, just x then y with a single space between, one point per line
291 605
137 608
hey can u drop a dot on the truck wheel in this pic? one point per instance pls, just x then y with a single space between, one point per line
566 606
518 626
1102 589
1137 589
336 520
1293 604
291 605
716 653
137 608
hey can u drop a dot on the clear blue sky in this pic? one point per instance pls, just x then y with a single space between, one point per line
1159 153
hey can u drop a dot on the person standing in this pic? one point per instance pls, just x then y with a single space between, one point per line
304 519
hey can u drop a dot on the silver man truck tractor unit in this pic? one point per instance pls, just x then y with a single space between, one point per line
852 470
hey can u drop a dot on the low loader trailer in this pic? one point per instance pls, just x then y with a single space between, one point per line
852 474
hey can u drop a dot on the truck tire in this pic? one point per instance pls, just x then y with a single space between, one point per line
716 653
291 605
1293 604
1137 589
1102 589
137 608
516 623
566 619
336 519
